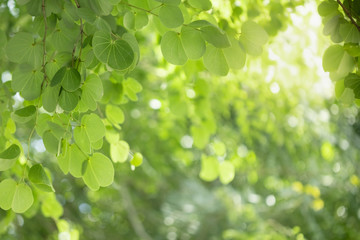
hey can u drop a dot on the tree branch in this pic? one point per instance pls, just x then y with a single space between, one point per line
347 12
81 35
132 213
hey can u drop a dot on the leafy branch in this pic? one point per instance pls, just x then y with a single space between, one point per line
347 12
81 35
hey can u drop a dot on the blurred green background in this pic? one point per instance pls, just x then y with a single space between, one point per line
293 146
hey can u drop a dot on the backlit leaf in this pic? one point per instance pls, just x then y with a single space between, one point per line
9 156
117 53
23 49
38 176
119 151
17 196
172 48
171 16
98 171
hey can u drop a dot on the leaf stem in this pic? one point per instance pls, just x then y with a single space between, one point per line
347 12
142 9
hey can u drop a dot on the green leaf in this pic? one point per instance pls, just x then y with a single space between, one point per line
27 81
137 160
50 98
202 4
141 20
38 176
170 2
326 8
41 123
131 87
171 16
58 130
235 55
71 80
114 114
82 139
349 33
64 37
23 49
332 28
93 126
25 114
119 151
58 77
87 14
215 61
19 197
215 36
98 171
76 160
352 81
172 48
253 36
101 7
117 53
193 43
98 144
209 168
336 59
63 158
9 156
226 172
129 20
51 142
68 100
92 91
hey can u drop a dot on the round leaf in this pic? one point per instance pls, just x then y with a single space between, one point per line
98 171
38 176
117 53
71 80
253 36
25 114
137 160
171 16
119 151
172 48
215 61
23 49
19 197
9 156
68 100
94 127
193 43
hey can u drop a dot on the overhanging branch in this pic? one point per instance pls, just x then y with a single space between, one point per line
347 12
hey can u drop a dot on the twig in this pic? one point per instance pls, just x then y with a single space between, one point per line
139 8
132 213
349 15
